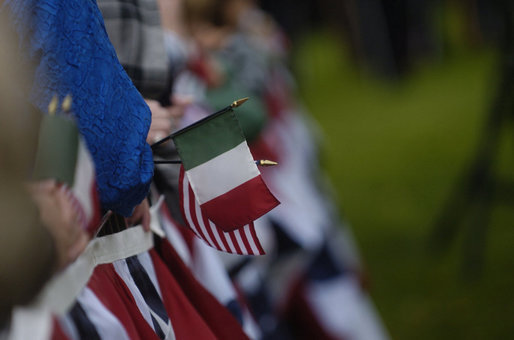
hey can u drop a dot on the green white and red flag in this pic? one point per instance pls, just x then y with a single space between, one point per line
63 155
242 241
222 173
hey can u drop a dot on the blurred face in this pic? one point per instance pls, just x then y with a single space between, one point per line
234 9
209 37
172 15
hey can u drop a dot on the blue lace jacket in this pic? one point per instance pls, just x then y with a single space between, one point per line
67 41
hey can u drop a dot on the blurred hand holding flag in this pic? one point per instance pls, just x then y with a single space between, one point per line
63 155
221 171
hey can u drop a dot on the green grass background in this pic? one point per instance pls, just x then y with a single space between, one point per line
394 151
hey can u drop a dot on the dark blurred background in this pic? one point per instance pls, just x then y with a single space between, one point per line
415 102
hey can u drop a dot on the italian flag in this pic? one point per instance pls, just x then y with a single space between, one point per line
63 155
222 173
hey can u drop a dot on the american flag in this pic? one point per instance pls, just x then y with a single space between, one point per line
242 241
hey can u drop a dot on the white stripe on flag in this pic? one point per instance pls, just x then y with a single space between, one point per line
230 243
84 180
250 239
217 236
199 219
187 210
185 203
230 169
201 230
240 242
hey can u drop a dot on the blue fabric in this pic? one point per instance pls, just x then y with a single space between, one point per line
67 41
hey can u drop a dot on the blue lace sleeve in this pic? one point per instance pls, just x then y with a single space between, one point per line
67 41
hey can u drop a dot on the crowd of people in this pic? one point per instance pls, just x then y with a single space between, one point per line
124 262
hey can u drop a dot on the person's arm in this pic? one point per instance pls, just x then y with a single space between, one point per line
68 43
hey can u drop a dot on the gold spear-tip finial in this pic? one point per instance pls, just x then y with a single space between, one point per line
52 106
66 103
238 102
265 162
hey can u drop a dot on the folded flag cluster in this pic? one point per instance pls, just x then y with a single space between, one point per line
222 190
242 241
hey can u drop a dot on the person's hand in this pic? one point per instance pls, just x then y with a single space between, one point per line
141 215
180 103
61 219
161 121
165 119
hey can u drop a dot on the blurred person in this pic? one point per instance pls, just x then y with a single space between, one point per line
304 275
57 38
204 262
136 27
67 43
136 34
41 231
152 293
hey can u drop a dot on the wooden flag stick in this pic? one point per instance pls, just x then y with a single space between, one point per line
178 161
235 103
260 162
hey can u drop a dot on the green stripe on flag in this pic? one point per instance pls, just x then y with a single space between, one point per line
208 139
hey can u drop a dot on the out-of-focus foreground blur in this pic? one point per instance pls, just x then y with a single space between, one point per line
414 99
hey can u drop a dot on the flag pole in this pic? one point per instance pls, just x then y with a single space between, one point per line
260 162
235 103
177 161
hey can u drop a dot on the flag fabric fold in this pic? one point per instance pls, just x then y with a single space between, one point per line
242 240
221 171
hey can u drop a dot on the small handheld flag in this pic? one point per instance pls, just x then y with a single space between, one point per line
259 162
242 241
221 171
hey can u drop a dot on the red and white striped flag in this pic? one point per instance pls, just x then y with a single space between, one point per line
242 241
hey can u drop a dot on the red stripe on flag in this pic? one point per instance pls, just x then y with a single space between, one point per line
235 243
215 239
205 228
241 205
240 242
194 218
249 237
184 204
223 239
245 241
254 236
187 207
227 238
